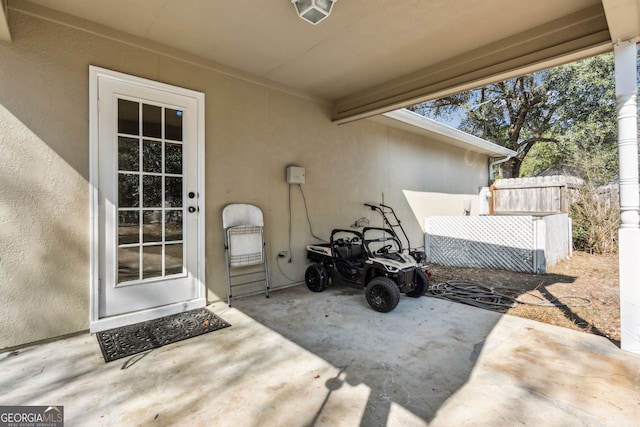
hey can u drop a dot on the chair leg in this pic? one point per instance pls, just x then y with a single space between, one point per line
226 256
266 271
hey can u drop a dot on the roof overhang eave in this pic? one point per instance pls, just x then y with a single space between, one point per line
416 123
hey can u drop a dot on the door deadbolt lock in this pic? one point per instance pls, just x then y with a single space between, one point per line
192 194
192 209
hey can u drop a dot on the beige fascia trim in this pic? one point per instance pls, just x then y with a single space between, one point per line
623 19
579 35
448 133
28 8
5 33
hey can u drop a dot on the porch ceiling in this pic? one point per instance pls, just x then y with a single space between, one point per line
369 56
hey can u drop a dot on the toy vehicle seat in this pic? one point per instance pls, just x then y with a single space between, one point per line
357 253
351 252
342 252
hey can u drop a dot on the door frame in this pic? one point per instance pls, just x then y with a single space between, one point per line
96 323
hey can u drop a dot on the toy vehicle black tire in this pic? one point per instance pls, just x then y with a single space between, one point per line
316 278
382 294
422 284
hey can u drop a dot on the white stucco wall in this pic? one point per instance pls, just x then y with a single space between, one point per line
253 132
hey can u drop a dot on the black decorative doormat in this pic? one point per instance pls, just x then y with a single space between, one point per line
132 339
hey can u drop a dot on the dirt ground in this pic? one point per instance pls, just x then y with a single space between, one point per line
594 277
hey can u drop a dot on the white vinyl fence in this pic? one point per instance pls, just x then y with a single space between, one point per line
516 243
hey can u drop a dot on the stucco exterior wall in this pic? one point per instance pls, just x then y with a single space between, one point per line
253 131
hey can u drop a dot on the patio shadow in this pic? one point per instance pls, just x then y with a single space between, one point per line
410 360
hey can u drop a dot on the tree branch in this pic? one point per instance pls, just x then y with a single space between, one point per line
535 139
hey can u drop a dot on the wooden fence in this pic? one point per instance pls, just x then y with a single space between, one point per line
542 195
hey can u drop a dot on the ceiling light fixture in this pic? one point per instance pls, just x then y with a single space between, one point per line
313 11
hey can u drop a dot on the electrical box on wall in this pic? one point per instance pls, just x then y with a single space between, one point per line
295 175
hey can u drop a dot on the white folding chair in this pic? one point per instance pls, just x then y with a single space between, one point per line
244 250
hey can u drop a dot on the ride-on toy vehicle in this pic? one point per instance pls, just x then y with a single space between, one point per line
372 260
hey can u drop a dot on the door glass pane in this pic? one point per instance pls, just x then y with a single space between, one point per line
152 228
128 227
151 156
173 259
128 154
173 225
128 264
173 124
128 113
128 190
151 261
173 158
152 191
173 192
150 205
151 121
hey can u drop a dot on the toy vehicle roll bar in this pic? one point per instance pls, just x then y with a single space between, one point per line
383 210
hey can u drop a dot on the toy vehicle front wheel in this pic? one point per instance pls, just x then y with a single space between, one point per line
316 278
382 294
422 284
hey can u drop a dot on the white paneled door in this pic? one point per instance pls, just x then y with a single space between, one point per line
147 179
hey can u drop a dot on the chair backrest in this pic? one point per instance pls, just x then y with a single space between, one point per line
241 214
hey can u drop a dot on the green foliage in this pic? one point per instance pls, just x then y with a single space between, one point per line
588 116
542 157
595 208
561 119
546 117
595 217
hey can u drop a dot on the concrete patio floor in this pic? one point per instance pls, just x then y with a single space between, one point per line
305 359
